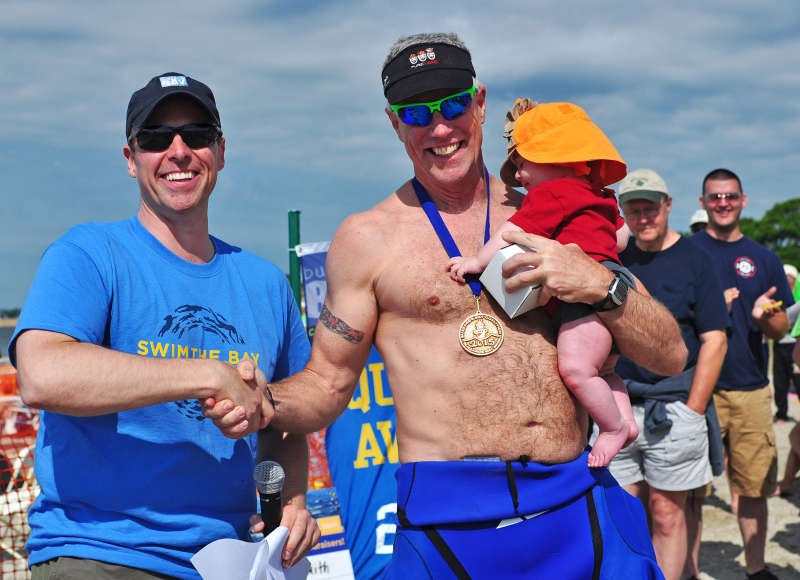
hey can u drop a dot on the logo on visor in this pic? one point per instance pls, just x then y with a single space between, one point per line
176 81
422 57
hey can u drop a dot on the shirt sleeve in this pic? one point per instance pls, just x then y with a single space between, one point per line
69 295
795 331
792 313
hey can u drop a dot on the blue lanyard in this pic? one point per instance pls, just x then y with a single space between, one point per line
441 228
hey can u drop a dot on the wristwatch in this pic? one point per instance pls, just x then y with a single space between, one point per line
617 293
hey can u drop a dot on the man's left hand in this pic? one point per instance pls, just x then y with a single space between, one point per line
563 271
303 533
765 306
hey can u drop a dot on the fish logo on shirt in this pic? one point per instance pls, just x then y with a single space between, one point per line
190 316
187 318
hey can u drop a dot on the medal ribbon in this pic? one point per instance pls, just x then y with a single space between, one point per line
441 228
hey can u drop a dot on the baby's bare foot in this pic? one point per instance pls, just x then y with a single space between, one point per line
608 444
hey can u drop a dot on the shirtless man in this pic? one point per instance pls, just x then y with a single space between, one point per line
387 285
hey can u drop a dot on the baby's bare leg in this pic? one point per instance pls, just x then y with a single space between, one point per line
583 347
620 394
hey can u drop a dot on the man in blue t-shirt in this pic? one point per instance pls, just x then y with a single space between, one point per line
671 454
128 326
756 293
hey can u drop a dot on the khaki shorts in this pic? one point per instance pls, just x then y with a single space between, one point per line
745 418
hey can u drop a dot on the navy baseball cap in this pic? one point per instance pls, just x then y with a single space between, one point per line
159 88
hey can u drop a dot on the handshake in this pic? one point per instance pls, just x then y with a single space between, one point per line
243 401
242 404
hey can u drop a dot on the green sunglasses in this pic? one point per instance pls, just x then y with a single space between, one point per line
421 114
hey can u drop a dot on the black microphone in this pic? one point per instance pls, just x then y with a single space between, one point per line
269 477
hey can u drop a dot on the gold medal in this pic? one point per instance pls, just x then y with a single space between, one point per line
480 334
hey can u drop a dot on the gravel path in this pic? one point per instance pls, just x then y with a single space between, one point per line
721 554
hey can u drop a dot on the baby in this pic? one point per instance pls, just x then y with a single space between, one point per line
565 162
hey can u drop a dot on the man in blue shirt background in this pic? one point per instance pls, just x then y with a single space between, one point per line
754 283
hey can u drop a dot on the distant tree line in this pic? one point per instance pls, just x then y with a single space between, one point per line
779 230
9 312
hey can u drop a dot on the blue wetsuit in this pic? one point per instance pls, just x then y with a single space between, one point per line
495 519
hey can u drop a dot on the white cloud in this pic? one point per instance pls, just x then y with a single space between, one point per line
679 87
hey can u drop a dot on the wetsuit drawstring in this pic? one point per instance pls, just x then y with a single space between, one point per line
512 482
512 486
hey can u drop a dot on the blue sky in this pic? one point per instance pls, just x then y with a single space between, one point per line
679 87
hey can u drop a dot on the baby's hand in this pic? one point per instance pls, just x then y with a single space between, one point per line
453 267
461 265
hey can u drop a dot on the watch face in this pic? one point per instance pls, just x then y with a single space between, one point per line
618 291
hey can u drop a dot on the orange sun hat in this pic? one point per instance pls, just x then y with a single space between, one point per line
562 133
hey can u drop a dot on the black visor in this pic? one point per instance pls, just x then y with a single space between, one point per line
426 67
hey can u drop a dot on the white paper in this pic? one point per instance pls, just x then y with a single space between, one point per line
229 559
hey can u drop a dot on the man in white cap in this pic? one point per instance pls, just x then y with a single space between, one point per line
671 454
699 221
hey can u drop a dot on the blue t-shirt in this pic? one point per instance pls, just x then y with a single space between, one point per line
679 278
361 447
753 269
150 487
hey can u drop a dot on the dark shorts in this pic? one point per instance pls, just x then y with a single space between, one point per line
493 519
67 568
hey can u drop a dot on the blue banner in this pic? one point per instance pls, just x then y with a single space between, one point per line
312 269
361 445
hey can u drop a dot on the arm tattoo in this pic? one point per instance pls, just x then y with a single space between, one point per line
339 326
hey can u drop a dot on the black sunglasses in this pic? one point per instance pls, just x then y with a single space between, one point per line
160 138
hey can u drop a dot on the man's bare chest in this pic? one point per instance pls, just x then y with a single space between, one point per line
420 287
415 282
